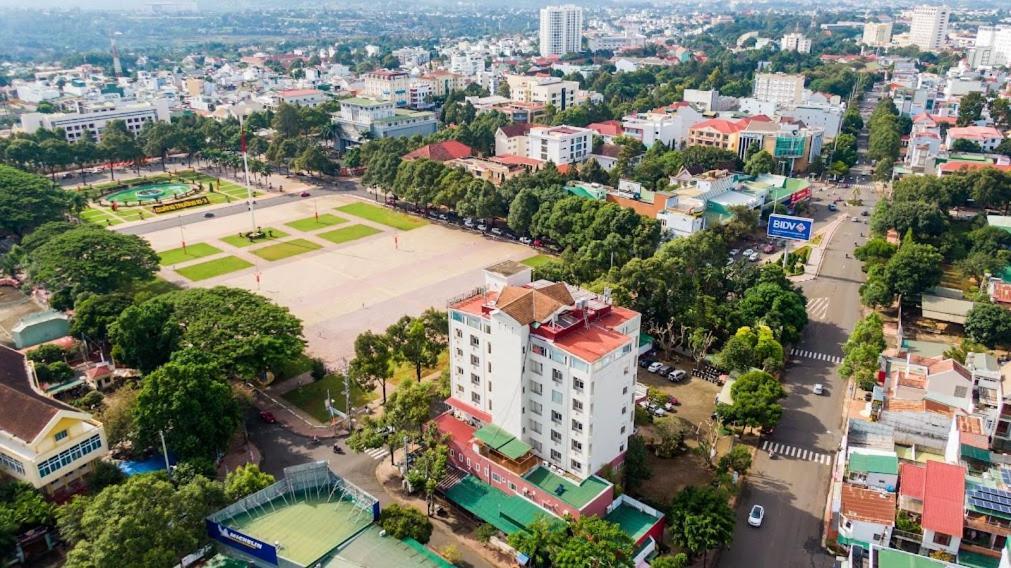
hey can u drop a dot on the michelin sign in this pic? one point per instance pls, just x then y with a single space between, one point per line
789 227
242 542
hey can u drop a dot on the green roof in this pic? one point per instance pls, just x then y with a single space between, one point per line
978 454
507 513
576 495
892 558
632 521
502 442
645 339
975 560
874 463
372 549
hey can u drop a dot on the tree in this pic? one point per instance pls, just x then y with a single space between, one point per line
404 521
761 162
430 466
411 343
988 324
966 145
246 480
784 310
406 410
105 474
22 508
670 436
189 401
970 108
90 259
118 145
679 560
756 396
542 537
28 201
595 541
861 351
913 269
94 313
738 460
313 159
141 335
287 121
701 519
635 469
752 348
145 521
373 361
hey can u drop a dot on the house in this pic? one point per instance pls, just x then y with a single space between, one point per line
511 139
987 137
934 495
874 470
441 151
608 130
945 304
40 327
607 156
44 442
866 516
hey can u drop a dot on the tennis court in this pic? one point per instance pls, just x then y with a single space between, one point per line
306 529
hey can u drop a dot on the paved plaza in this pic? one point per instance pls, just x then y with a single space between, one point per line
338 287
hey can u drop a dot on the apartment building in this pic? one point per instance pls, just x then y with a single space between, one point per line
877 34
443 82
715 132
361 118
512 140
561 30
795 42
559 144
669 125
299 97
43 442
780 88
544 90
90 123
994 41
467 64
388 85
929 27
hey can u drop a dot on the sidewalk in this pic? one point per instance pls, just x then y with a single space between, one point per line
813 266
289 416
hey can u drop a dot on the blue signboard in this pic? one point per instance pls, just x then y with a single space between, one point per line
242 542
789 227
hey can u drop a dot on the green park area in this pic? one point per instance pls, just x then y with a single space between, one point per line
350 233
183 254
286 249
311 397
383 216
241 240
538 260
315 223
212 268
406 370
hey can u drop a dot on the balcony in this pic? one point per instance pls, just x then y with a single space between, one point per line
987 524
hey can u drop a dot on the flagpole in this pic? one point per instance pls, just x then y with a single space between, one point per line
245 169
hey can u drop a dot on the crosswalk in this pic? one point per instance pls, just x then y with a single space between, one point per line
817 308
797 453
378 453
815 355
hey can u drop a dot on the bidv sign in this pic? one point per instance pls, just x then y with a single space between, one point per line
242 542
789 227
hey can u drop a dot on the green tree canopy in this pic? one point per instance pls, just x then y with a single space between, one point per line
246 480
756 397
989 324
700 519
27 201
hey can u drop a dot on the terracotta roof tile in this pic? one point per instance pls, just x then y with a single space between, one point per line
944 498
869 505
24 412
911 480
515 129
441 151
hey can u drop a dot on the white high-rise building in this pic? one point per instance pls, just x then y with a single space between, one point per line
779 88
559 144
796 41
877 34
929 27
551 364
561 29
998 40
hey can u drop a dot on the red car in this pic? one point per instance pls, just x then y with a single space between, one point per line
304 194
267 417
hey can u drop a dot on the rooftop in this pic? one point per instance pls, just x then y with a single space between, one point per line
25 411
577 495
507 513
944 498
502 442
874 463
372 549
362 101
893 558
441 151
632 521
868 505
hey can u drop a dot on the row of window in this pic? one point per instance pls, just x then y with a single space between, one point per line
69 456
11 464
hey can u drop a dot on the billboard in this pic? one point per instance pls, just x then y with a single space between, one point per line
789 227
184 204
242 542
799 196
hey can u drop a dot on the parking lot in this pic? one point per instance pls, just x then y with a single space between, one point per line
697 397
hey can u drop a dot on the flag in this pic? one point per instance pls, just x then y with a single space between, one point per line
242 140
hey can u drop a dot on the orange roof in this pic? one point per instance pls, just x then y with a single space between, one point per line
911 479
952 167
563 168
299 92
441 151
944 498
895 405
974 133
718 124
949 365
868 505
513 159
907 379
473 304
606 128
591 343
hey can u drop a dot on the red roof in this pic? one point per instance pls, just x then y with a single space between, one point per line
513 159
718 124
607 128
442 151
944 498
868 505
469 409
461 432
946 365
911 479
953 167
515 129
299 92
981 133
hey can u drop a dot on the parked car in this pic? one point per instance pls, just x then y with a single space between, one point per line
753 257
468 222
209 214
756 516
268 417
443 217
769 248
818 389
654 366
304 194
832 207
676 375
657 411
526 240
863 213
749 252
496 231
482 227
733 252
645 363
856 219
664 370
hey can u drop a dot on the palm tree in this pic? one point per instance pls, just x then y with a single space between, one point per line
76 202
328 133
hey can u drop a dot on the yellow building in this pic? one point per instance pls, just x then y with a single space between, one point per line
715 132
43 441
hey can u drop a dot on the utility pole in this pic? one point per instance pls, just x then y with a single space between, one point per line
347 393
164 450
245 169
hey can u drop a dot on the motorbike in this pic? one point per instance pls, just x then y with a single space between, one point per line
337 449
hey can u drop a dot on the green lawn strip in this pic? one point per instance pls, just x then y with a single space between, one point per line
286 249
191 252
212 268
312 223
311 397
240 241
349 233
538 260
404 371
383 216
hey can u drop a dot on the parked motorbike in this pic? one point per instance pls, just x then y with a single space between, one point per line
337 449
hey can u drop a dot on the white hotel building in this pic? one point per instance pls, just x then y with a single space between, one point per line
551 364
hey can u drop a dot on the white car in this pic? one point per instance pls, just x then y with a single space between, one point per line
654 367
526 240
657 411
676 375
749 252
469 223
496 231
482 227
753 257
756 516
733 252
818 389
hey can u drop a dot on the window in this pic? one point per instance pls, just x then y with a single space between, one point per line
624 409
578 384
556 397
536 387
577 445
475 379
459 389
496 478
535 426
556 416
62 434
624 390
621 448
556 455
556 436
536 408
942 539
475 360
474 341
960 392
459 371
459 352
9 463
576 465
623 429
489 345
539 349
458 332
536 368
577 425
70 455
556 375
577 405
512 486
537 446
475 397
